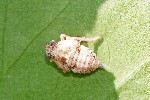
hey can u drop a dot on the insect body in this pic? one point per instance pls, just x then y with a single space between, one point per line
69 55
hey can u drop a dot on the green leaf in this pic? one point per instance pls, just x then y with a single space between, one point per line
138 87
27 25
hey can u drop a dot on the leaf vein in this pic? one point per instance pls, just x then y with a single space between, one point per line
32 41
108 51
132 73
3 35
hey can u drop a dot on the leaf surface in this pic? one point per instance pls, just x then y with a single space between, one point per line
27 25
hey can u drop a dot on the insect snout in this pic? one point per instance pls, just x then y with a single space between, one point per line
49 47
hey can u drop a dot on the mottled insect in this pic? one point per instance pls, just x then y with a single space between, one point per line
69 55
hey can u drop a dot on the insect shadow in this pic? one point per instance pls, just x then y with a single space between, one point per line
104 80
99 80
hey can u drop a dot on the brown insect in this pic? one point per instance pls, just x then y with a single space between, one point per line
69 55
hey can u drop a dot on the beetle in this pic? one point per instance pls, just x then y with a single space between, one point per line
70 55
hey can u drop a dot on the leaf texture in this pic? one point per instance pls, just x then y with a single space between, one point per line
27 25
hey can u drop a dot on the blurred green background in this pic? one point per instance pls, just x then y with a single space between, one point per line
27 25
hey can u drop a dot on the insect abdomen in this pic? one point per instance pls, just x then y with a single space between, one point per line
84 61
76 57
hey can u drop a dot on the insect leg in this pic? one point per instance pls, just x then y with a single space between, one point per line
65 37
84 39
81 39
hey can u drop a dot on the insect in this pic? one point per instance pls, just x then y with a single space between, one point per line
70 55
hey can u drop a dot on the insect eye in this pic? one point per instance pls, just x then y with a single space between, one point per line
51 43
49 48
